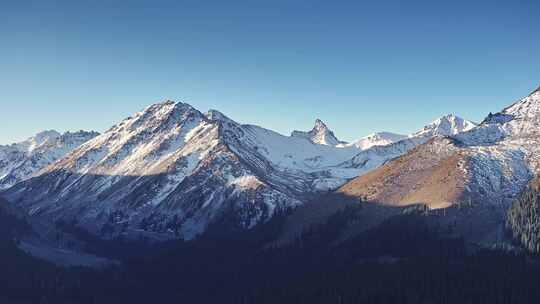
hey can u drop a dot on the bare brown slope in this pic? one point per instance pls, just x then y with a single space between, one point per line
432 174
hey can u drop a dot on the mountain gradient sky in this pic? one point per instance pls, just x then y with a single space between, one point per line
360 66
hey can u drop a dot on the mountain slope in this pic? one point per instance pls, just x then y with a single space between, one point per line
22 160
169 171
429 173
488 164
374 157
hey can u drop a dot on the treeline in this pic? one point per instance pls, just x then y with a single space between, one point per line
523 219
404 260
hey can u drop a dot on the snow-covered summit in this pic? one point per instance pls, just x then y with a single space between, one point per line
447 125
20 161
517 121
377 139
215 115
526 108
41 138
320 134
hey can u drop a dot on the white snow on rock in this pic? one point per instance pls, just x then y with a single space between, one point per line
504 150
445 126
246 182
169 171
320 134
377 139
22 160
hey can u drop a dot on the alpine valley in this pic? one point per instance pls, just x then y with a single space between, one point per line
255 216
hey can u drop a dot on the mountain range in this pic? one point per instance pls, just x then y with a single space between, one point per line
21 160
170 170
172 200
488 164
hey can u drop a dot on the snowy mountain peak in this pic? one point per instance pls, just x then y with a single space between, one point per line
159 116
217 116
521 119
377 139
44 135
166 107
320 134
319 125
74 139
38 140
446 125
20 161
527 107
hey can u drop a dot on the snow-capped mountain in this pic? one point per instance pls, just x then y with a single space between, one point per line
447 125
320 134
20 161
170 170
377 155
485 165
377 139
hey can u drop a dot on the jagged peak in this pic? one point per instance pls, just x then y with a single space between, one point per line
49 138
46 134
80 133
446 125
156 114
215 115
167 106
319 125
526 107
37 140
448 117
77 136
377 139
451 117
319 134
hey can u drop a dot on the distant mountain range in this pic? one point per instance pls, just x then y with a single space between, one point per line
170 170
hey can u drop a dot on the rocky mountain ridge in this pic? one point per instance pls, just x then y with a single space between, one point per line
169 171
492 162
22 160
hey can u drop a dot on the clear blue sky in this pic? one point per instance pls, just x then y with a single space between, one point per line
359 66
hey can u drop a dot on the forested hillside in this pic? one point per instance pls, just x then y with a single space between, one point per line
404 260
523 219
